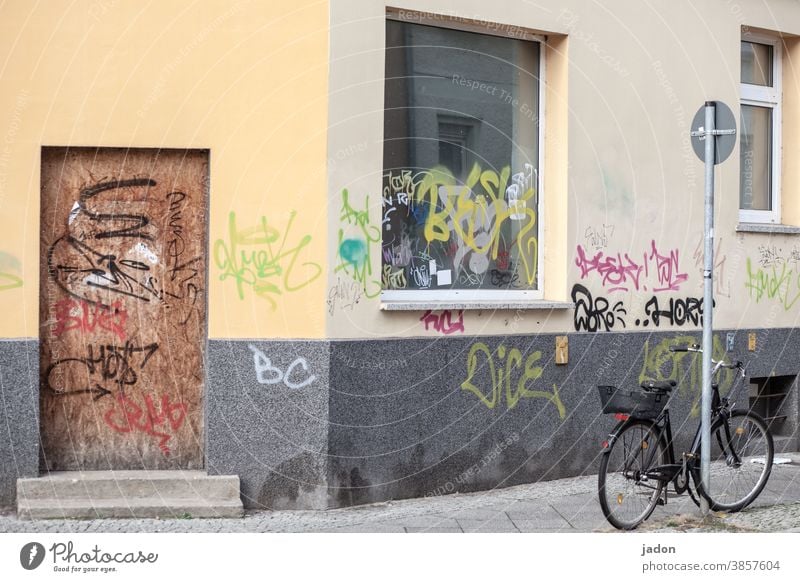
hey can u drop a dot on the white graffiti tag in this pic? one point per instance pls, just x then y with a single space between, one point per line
266 373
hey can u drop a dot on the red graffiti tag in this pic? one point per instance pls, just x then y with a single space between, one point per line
126 416
82 315
502 260
443 323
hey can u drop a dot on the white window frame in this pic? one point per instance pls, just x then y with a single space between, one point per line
447 295
769 97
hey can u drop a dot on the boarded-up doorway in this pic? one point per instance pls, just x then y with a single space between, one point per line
123 308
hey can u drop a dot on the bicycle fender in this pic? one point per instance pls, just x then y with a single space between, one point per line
612 437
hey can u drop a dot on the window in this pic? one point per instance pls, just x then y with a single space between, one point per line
759 132
461 183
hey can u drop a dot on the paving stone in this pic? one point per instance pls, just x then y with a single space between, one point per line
488 526
376 528
540 507
537 526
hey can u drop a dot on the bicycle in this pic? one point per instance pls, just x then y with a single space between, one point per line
638 459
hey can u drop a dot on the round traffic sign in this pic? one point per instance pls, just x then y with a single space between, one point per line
723 119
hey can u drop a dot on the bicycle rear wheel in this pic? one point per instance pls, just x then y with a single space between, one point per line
741 461
627 496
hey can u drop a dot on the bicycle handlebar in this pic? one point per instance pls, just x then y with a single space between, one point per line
696 348
691 348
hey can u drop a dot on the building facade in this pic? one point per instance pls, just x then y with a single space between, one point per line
353 251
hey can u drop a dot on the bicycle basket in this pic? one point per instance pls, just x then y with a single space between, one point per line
636 403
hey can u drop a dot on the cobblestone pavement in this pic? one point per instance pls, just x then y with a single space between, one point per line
566 505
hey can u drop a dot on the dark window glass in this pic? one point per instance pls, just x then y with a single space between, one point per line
757 64
460 196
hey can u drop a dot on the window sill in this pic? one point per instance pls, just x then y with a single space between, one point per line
541 304
767 228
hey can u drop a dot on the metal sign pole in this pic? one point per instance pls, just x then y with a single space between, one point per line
708 303
713 146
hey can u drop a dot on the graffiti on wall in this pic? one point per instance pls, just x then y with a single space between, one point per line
722 286
438 231
356 244
267 373
599 313
9 265
83 262
345 294
598 237
651 269
80 315
443 322
106 367
774 280
506 375
596 313
770 255
685 368
161 422
265 259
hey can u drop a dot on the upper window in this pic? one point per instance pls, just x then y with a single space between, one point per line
759 134
461 184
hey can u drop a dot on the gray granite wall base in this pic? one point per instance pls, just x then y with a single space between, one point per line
421 417
19 398
267 420
321 424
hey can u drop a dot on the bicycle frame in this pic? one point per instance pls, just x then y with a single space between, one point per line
645 455
719 408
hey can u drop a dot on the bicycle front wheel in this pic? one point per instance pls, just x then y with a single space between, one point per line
627 495
741 460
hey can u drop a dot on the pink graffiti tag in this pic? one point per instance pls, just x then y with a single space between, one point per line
80 314
618 272
127 416
621 273
667 269
443 323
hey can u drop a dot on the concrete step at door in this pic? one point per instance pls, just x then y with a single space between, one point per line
90 494
148 507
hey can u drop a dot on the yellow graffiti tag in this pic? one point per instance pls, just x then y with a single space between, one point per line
502 378
686 368
482 214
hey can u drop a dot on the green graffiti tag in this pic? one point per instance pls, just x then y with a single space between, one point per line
354 251
263 258
776 283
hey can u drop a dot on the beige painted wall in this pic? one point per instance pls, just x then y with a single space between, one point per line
635 75
246 79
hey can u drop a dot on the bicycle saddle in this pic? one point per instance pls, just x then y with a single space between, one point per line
659 385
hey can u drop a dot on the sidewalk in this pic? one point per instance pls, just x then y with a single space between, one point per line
566 505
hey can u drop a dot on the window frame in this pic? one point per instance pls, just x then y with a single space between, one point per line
489 296
768 97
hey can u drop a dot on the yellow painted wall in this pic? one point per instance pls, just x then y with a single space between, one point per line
245 79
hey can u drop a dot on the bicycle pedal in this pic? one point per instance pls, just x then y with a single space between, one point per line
661 501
